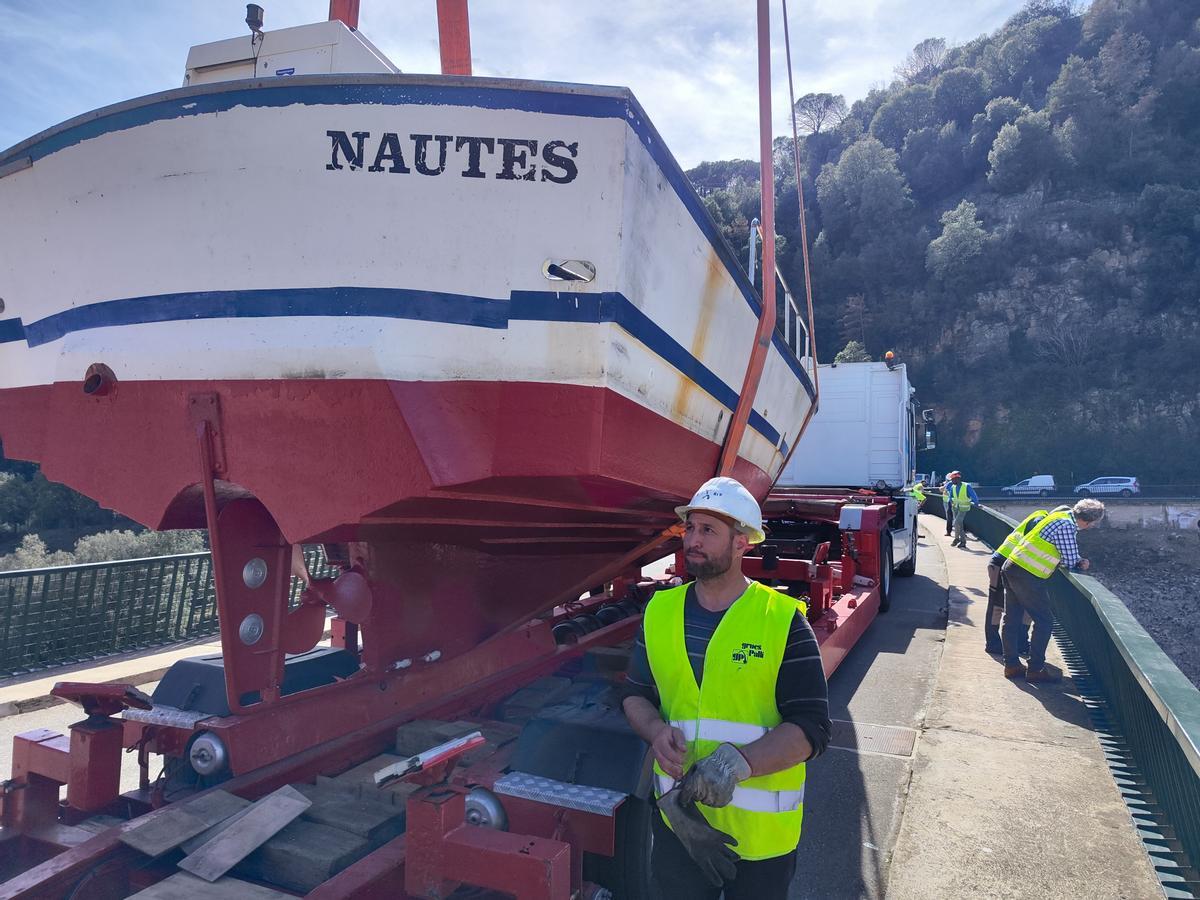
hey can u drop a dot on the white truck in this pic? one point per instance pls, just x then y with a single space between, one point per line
866 435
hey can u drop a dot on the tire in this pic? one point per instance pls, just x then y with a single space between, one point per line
1043 493
1126 492
1005 492
1084 492
627 873
885 573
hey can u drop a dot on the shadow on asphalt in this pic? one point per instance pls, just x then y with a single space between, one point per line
854 800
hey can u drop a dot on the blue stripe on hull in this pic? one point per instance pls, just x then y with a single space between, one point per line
397 303
388 91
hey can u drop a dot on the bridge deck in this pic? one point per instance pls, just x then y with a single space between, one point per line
1006 793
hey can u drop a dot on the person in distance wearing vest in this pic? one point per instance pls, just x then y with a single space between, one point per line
962 498
1026 573
726 685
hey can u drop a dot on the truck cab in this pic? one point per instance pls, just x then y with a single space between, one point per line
866 436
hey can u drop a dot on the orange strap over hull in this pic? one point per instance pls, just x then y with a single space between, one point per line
766 321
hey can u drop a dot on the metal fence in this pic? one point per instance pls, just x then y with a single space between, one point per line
1154 707
70 614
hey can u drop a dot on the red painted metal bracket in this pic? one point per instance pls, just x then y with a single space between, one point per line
438 841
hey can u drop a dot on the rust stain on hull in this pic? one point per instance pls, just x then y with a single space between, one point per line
709 296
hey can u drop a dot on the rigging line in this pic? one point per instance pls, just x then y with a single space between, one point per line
812 331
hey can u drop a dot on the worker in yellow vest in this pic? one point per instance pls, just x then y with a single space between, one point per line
727 686
917 492
1026 573
995 607
962 498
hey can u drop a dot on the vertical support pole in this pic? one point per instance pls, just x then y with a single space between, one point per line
454 37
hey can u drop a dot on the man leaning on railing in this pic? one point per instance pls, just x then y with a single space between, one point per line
1026 574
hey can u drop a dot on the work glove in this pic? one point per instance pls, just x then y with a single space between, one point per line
712 780
709 847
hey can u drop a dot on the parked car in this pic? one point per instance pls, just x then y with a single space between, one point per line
1110 484
1039 485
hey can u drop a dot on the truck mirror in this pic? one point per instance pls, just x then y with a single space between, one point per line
927 416
930 437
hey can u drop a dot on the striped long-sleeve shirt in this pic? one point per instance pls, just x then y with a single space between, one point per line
1062 534
801 692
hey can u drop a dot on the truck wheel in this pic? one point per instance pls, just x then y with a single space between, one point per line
885 573
627 873
908 568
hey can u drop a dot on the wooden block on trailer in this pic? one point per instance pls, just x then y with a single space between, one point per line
418 736
179 823
97 824
521 705
369 817
256 825
216 806
192 844
182 886
361 781
166 831
304 855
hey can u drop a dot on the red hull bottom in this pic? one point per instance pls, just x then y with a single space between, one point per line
480 501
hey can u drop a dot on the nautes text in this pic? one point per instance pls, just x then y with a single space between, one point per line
509 159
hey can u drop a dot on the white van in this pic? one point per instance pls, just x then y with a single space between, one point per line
1039 485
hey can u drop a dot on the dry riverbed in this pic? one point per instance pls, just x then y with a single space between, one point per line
1157 573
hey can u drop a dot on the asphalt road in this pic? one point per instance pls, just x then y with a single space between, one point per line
854 799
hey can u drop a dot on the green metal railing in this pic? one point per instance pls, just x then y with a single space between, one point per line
70 614
1153 707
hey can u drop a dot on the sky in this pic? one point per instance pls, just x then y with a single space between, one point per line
691 63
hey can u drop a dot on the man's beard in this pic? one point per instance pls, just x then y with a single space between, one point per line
710 566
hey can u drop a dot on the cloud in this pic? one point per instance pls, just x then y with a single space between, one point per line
691 64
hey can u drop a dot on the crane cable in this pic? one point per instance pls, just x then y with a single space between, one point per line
812 331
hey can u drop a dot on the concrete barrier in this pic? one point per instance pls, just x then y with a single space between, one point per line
1181 514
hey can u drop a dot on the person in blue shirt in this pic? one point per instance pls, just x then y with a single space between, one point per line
962 498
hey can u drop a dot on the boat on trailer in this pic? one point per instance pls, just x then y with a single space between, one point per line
475 337
485 322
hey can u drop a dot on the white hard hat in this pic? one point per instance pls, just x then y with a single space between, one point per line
726 497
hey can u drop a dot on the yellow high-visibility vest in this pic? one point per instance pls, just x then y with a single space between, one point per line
735 704
958 495
1034 553
1005 549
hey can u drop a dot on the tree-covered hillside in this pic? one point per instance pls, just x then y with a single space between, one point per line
1019 219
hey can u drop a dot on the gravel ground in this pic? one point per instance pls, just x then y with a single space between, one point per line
1157 573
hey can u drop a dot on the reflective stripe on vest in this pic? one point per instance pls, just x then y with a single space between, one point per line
720 731
735 703
1034 553
1014 537
959 496
749 799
